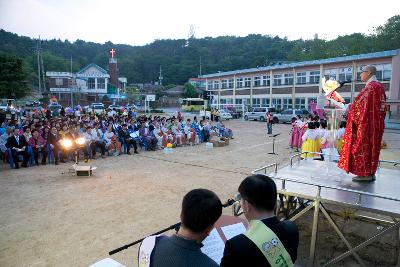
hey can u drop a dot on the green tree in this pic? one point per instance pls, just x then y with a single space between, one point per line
388 35
12 77
190 91
132 93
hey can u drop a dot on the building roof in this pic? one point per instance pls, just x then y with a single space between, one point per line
381 54
92 65
59 74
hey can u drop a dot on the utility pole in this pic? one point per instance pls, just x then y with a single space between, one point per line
72 87
160 78
200 67
41 66
38 66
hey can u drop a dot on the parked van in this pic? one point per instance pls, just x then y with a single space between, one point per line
98 108
258 113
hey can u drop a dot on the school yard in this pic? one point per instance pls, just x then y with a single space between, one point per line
50 218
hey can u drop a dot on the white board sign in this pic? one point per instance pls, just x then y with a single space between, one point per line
150 97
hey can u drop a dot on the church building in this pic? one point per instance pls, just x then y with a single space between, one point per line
90 84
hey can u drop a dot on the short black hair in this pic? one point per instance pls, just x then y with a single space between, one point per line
260 191
316 123
323 124
201 208
311 125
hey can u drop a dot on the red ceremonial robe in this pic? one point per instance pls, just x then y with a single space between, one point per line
364 130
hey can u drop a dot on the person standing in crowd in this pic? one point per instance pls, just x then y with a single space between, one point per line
364 129
19 146
270 121
201 208
268 239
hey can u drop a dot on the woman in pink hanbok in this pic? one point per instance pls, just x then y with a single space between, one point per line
294 134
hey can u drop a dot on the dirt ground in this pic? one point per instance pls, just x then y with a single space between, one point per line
50 218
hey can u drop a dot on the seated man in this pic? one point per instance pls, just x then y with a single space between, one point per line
201 208
19 146
267 239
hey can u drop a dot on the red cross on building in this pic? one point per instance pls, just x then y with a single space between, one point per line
112 52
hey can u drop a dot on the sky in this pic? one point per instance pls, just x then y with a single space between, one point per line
137 22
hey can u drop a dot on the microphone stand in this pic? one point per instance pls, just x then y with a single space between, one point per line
273 144
176 226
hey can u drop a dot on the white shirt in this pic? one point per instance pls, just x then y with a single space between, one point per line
340 133
372 79
320 132
94 134
310 134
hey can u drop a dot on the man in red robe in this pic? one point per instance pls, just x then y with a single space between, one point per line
364 129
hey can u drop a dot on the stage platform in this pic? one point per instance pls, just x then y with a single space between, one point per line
310 184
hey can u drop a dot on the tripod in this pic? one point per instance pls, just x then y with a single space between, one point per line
273 144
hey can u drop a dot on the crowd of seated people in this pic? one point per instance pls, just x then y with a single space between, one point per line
40 139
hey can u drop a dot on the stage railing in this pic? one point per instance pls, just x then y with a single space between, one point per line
319 187
317 201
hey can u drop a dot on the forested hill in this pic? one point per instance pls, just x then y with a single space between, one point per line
180 59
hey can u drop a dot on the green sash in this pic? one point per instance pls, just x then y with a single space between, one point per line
269 244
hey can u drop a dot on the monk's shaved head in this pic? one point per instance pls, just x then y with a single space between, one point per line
370 68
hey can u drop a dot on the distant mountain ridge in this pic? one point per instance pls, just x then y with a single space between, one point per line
180 59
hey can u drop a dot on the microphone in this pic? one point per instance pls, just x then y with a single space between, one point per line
344 82
232 201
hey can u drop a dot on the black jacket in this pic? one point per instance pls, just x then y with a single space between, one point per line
12 142
53 139
241 251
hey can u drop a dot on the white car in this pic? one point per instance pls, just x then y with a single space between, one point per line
98 108
225 115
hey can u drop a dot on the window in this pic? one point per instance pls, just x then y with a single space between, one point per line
209 85
311 100
59 81
247 82
387 72
265 102
287 103
287 111
256 102
330 74
239 82
301 77
91 83
300 103
224 84
314 77
222 101
257 81
288 78
266 80
345 74
277 103
277 79
230 83
101 83
383 72
346 99
238 101
229 101
216 84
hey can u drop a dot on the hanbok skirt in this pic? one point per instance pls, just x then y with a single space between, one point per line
311 145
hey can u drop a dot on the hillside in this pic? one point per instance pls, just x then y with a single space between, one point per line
180 59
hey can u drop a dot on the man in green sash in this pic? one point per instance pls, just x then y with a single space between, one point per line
268 241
